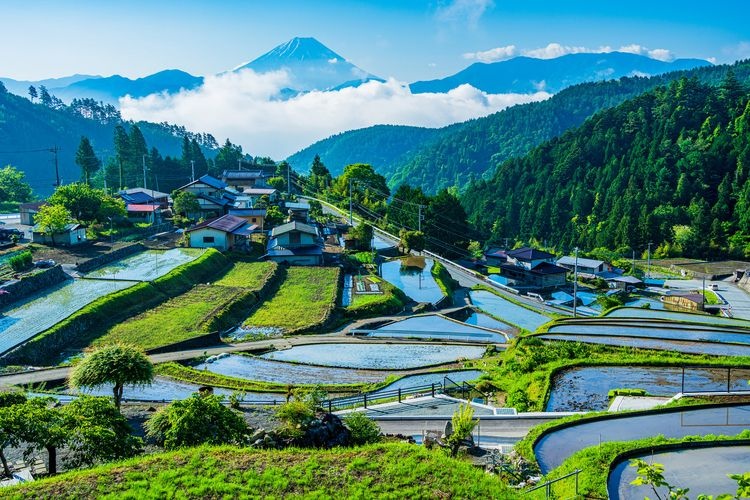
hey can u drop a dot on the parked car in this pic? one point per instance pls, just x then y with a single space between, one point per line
44 264
7 232
714 286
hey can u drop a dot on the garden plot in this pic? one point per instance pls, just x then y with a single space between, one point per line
146 266
376 356
35 315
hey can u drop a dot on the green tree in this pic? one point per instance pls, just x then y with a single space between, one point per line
13 187
184 203
33 93
278 183
52 219
412 240
42 426
364 430
274 216
227 158
362 236
98 432
194 421
44 96
475 249
87 160
116 364
87 204
9 424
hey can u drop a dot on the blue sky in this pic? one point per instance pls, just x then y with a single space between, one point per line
407 40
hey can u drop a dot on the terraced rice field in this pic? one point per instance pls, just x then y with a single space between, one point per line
146 266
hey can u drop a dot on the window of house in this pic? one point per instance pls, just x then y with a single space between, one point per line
208 239
255 219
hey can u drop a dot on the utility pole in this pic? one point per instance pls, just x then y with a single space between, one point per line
351 213
120 173
634 262
192 170
54 151
575 286
419 219
648 268
144 171
288 179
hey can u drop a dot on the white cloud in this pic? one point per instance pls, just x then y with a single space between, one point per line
553 50
463 11
333 60
246 108
493 55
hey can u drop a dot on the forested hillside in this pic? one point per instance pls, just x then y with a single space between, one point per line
29 130
455 155
671 167
385 146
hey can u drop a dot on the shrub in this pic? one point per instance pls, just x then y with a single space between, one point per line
20 261
463 423
364 430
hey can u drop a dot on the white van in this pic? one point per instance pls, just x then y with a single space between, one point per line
714 286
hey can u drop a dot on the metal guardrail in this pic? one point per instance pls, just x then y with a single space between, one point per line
365 398
548 485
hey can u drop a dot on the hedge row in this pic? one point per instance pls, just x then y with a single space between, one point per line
78 330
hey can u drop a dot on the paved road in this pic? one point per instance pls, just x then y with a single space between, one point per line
35 377
738 298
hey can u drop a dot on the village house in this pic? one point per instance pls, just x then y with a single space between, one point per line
242 180
142 196
298 211
495 257
72 234
585 266
28 211
212 195
255 216
223 233
295 243
531 268
249 197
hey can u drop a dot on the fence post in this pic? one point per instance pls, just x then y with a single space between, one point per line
682 389
548 490
729 378
433 389
329 407
365 398
399 394
577 472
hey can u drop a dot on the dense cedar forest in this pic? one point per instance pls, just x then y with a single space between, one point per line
29 129
455 155
671 166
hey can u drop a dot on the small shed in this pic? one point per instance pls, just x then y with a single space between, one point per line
28 211
73 234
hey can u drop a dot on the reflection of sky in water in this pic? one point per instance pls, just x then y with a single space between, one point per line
681 468
506 310
54 304
377 356
677 316
585 389
423 289
552 449
147 265
434 326
684 332
480 319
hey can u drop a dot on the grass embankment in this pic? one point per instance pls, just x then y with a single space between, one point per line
305 299
205 377
390 301
524 372
80 329
199 311
386 470
443 278
711 298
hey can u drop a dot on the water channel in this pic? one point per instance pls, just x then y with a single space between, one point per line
376 356
553 448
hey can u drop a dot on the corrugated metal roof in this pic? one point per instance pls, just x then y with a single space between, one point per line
294 226
225 223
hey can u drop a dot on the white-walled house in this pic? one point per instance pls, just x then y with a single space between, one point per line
73 234
223 233
295 243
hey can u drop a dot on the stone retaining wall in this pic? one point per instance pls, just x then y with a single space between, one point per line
31 284
109 257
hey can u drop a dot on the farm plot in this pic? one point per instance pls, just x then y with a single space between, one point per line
37 314
146 266
190 314
304 299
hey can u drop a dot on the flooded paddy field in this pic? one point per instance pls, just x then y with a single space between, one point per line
434 326
665 332
586 388
553 448
376 356
419 285
147 265
507 311
710 348
702 470
707 319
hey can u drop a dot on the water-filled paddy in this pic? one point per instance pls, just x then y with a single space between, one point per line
165 389
376 356
41 312
684 332
702 470
379 243
711 348
677 316
552 449
419 285
507 311
586 388
147 265
437 327
486 321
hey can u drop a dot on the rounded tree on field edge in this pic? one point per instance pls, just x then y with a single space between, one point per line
114 364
